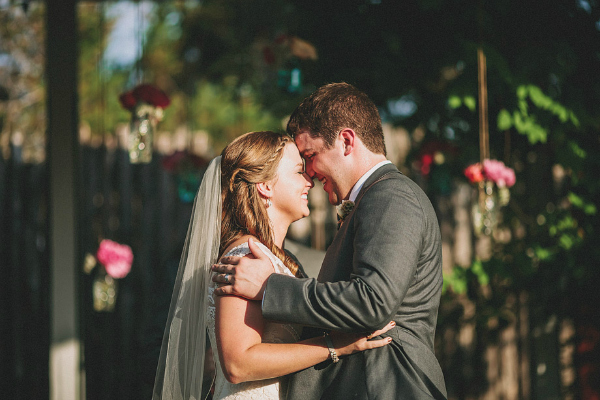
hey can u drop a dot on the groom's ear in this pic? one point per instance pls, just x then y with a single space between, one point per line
265 189
348 138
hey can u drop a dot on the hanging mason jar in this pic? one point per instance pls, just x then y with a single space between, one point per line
486 209
141 134
104 291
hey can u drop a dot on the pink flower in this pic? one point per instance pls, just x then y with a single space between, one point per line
473 173
509 177
496 171
118 269
116 258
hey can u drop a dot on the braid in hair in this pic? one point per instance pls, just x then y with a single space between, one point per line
250 159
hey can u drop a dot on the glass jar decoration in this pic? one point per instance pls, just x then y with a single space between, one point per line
115 263
486 209
146 104
494 180
141 133
104 291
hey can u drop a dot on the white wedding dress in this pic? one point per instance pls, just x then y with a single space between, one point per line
268 389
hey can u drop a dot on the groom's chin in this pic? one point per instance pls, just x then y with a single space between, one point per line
334 199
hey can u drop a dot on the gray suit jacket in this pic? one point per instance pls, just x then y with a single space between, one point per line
385 263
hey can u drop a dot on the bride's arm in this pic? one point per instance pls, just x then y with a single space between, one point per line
239 326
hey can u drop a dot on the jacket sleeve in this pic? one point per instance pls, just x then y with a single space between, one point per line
389 226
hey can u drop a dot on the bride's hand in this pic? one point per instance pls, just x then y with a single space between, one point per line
349 343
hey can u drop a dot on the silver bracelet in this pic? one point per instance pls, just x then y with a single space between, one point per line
332 353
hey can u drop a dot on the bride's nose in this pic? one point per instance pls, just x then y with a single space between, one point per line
309 181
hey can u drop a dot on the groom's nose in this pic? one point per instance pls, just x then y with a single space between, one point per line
309 169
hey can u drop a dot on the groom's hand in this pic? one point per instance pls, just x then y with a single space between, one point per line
243 276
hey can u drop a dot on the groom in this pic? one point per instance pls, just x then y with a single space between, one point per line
385 262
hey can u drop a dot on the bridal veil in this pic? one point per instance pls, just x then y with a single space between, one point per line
180 368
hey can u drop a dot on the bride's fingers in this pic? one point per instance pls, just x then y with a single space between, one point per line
386 328
373 344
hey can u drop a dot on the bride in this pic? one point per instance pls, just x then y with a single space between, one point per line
249 196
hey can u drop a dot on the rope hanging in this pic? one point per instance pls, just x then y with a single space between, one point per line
484 136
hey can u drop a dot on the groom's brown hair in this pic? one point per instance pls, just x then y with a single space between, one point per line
334 107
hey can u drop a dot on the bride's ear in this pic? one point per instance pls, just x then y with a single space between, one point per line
265 189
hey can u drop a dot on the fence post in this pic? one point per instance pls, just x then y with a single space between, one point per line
61 68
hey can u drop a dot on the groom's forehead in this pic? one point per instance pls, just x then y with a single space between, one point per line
307 143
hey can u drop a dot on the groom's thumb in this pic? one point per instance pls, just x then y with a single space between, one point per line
255 250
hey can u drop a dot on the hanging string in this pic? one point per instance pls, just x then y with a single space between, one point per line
484 137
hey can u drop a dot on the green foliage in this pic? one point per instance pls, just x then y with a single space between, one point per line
587 207
459 278
456 280
525 122
226 112
468 101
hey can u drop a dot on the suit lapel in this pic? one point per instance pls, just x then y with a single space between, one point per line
374 176
339 254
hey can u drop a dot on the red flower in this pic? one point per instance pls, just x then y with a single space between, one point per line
128 100
151 95
144 93
474 173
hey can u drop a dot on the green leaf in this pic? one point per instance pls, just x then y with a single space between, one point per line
504 120
526 125
568 222
537 134
575 200
523 107
522 92
590 209
454 102
578 151
574 119
566 241
478 270
543 253
470 102
456 280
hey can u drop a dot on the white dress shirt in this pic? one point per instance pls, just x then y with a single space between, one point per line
358 185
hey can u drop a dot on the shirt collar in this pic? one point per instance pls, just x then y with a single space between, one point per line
358 185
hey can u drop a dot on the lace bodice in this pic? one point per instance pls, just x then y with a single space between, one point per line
268 389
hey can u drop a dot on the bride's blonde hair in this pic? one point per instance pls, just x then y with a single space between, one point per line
250 159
